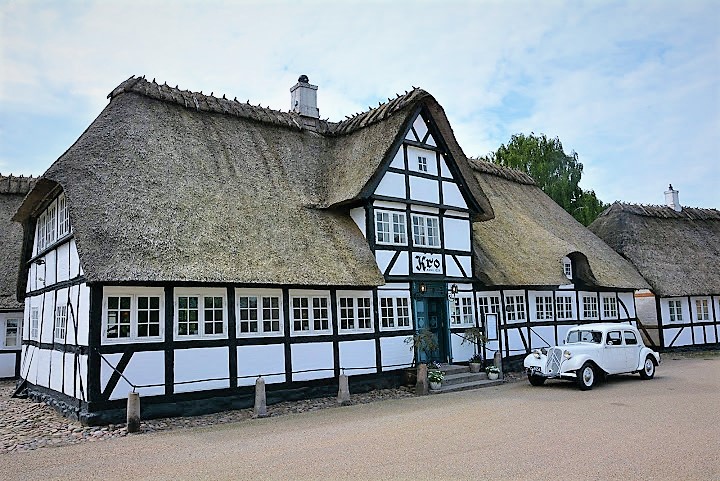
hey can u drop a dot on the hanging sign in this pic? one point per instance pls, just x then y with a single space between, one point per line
427 263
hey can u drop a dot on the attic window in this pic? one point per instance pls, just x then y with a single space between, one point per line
422 164
567 267
53 224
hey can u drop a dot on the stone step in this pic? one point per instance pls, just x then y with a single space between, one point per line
463 377
466 386
453 368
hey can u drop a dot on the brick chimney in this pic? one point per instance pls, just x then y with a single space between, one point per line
303 98
672 199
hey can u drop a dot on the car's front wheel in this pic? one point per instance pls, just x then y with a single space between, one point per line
648 370
586 377
536 380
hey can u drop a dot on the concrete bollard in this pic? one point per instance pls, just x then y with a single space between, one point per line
343 390
497 359
133 412
422 388
260 410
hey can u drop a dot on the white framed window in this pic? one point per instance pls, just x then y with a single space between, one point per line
564 307
461 312
702 310
567 268
394 312
590 307
34 323
543 307
489 304
40 236
259 313
515 308
200 313
12 332
135 315
354 313
675 310
390 228
610 310
52 224
310 313
426 230
422 164
60 323
63 217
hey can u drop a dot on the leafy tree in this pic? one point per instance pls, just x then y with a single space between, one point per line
555 172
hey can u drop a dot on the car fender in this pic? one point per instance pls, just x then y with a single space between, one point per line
645 352
532 361
575 362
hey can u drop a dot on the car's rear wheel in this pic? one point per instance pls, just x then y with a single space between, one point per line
586 377
648 370
536 380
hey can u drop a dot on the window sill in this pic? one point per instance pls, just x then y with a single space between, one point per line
253 335
126 340
57 243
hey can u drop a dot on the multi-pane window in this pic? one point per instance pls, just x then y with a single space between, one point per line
188 316
200 315
390 228
132 316
248 314
426 230
148 316
53 223
590 307
63 217
544 307
118 317
422 164
213 315
567 267
610 310
461 311
310 314
60 322
703 311
12 331
564 307
355 313
675 311
394 312
258 314
515 308
271 314
489 304
41 223
34 323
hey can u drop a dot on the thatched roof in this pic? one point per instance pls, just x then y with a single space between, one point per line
170 185
526 241
12 192
677 252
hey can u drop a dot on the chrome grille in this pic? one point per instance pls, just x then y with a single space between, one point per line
553 361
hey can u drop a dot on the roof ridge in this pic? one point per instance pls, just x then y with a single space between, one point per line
11 184
664 211
480 165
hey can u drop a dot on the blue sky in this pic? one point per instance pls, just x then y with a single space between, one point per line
632 86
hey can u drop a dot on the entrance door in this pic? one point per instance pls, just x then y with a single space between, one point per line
430 314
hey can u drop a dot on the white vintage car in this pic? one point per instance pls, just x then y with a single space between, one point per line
592 351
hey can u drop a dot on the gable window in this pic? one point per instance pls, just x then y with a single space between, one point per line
702 309
52 224
610 310
34 323
461 312
259 314
133 316
544 307
422 164
567 268
394 312
63 217
355 313
675 311
390 228
310 314
426 230
515 308
564 307
12 332
60 323
590 307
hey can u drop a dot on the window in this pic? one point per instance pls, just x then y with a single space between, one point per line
614 338
422 164
544 307
259 314
200 315
590 307
41 232
461 312
515 308
310 314
630 338
60 323
703 312
610 310
63 217
564 307
34 323
53 223
355 313
390 228
489 304
426 230
130 316
675 311
394 312
12 332
567 267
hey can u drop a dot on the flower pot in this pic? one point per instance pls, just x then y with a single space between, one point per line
475 367
435 386
493 375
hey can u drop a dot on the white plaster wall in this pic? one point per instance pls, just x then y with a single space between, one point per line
312 355
414 153
461 352
56 370
444 170
354 354
383 204
383 259
400 268
710 334
423 189
452 195
201 363
420 127
466 263
75 268
425 209
81 379
398 161
699 332
627 298
457 234
684 339
394 351
542 336
261 360
69 374
50 267
451 268
391 185
47 317
7 363
515 343
63 262
562 333
144 368
358 215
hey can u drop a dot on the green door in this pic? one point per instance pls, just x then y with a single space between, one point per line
430 313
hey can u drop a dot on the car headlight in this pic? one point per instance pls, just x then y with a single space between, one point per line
536 353
543 350
567 354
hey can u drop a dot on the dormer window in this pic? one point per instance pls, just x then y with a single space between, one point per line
422 164
567 268
53 224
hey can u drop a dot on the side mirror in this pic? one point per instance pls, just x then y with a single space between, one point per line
563 341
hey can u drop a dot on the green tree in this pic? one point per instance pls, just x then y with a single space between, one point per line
554 171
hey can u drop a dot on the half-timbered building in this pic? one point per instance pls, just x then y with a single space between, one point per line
677 250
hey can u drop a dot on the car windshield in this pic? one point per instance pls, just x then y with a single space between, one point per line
584 336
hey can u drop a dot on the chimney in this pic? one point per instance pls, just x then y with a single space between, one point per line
672 199
303 98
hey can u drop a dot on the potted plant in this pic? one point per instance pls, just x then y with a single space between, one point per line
435 378
423 341
475 363
493 372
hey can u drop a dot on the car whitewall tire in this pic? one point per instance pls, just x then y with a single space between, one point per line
648 370
586 377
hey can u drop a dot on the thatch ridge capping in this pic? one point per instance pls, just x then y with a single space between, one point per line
508 173
662 211
12 184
